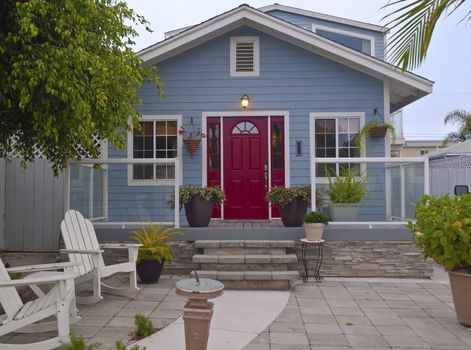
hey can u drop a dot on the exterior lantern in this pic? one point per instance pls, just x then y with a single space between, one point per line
244 101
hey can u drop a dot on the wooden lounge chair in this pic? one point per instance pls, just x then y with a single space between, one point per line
25 318
82 247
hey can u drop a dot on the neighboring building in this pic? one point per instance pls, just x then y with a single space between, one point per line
310 82
449 167
417 148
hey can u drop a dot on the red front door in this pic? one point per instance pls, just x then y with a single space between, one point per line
245 168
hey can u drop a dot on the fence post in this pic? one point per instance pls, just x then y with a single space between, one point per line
313 183
426 176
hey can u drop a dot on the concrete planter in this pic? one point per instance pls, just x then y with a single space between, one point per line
314 232
460 284
344 211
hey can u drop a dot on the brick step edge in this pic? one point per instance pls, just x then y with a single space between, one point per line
245 259
248 275
244 244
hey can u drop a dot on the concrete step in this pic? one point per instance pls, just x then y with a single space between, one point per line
243 251
264 244
245 259
261 280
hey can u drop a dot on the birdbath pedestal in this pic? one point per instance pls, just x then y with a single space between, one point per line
198 311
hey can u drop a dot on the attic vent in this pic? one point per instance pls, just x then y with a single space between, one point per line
245 56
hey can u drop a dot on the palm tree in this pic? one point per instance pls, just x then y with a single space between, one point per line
463 119
414 22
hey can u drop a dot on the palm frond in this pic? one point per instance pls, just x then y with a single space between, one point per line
415 21
457 116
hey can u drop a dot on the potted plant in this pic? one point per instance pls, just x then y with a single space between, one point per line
442 230
199 203
154 251
376 129
345 194
293 203
314 224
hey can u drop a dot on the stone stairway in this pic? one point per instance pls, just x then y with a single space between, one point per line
251 264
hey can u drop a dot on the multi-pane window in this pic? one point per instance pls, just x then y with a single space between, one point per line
155 140
356 43
336 138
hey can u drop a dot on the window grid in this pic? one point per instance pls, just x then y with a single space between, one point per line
156 140
327 135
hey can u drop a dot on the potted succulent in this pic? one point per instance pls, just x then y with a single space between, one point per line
293 203
442 230
154 251
199 203
314 223
345 194
376 129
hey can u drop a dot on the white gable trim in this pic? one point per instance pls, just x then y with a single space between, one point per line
324 17
245 15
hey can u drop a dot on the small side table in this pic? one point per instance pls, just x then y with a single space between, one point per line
320 256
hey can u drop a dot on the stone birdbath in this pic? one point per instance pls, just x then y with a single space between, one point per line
198 311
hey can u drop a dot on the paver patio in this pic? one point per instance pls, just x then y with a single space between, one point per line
334 315
343 314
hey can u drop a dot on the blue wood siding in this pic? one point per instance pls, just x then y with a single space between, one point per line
291 79
307 22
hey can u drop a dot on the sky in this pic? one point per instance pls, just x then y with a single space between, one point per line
447 62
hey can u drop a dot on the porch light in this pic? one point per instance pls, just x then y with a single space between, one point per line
244 101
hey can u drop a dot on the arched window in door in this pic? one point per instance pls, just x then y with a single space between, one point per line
245 128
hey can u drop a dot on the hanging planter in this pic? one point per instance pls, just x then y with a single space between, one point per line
192 146
193 139
376 129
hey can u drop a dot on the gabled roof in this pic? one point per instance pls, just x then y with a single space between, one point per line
404 87
325 17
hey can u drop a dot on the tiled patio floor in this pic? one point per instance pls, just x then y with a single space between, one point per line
342 315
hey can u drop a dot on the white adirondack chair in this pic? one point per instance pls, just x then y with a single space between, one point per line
82 247
24 318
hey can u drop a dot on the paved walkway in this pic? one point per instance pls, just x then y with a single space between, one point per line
341 315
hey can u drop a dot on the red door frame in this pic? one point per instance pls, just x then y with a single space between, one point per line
213 143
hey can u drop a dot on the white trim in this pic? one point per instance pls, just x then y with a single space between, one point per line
168 182
222 115
256 56
325 17
104 155
269 162
288 32
347 33
312 139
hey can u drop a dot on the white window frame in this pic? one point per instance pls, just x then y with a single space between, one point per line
347 33
332 115
155 182
256 59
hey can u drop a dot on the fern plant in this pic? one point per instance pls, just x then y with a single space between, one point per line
144 327
349 188
153 240
78 344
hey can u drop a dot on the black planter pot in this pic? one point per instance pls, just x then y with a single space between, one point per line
149 271
292 213
198 211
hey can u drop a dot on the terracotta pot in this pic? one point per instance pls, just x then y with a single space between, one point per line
149 271
292 214
460 284
198 211
314 231
192 146
378 131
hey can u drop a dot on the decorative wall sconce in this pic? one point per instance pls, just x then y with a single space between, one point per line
299 148
244 101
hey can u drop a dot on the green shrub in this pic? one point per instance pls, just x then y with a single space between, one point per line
120 346
78 344
153 240
144 326
443 230
284 195
314 217
350 188
212 192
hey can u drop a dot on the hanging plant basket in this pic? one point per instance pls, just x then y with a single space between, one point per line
378 131
192 145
